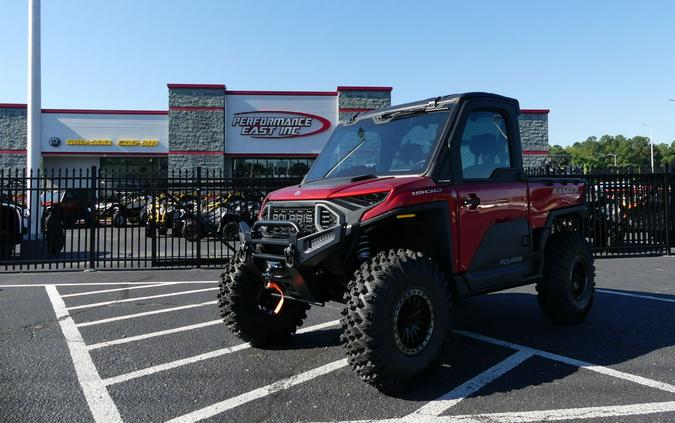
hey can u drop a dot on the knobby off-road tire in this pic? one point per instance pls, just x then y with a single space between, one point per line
240 306
388 294
565 294
55 232
191 230
119 220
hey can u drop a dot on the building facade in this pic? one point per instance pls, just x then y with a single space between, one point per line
242 133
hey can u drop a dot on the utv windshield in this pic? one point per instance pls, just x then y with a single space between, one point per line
399 146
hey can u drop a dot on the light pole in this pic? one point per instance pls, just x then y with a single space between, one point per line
33 112
651 143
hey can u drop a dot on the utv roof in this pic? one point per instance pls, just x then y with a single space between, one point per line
440 101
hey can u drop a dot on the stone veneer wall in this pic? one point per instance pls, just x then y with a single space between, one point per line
196 123
352 100
13 137
534 137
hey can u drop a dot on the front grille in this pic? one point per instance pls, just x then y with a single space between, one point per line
326 218
301 216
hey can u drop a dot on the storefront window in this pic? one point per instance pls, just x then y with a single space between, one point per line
135 166
133 172
271 168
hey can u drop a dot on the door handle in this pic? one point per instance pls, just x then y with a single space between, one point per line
472 201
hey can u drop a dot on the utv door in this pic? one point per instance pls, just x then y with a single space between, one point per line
492 201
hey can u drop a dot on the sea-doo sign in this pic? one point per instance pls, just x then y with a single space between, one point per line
279 124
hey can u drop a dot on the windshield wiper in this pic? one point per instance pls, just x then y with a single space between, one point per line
361 142
431 106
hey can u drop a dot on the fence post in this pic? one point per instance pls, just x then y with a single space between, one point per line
199 213
152 220
93 218
667 204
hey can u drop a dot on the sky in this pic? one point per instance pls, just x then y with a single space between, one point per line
601 67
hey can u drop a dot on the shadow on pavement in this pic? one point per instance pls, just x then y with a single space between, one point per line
618 329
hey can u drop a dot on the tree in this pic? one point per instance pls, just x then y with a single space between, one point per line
599 153
558 156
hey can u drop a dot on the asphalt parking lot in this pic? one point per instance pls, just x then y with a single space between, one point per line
149 346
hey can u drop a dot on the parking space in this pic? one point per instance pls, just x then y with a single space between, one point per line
144 346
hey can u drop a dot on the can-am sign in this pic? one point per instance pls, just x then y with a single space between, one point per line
279 124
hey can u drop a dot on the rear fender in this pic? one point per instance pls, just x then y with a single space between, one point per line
540 235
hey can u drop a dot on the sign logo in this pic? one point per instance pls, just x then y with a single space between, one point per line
123 142
296 193
88 143
137 143
279 124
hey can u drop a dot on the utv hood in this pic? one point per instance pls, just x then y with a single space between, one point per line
336 188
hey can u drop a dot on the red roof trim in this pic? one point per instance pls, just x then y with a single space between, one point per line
100 153
196 109
363 88
205 86
535 111
13 106
106 112
535 151
298 93
272 155
12 151
195 153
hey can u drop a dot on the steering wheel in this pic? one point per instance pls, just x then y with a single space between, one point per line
420 165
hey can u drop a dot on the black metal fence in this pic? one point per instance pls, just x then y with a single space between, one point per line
630 213
92 219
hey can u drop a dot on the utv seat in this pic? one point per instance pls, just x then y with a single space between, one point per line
490 151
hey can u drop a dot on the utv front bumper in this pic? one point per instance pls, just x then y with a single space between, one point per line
289 261
292 250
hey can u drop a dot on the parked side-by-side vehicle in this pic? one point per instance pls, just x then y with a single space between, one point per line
407 210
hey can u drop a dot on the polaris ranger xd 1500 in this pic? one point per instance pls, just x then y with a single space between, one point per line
406 210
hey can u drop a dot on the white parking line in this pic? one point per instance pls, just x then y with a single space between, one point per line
30 285
201 357
152 335
450 399
564 413
173 364
149 297
103 291
642 296
220 407
145 313
100 403
573 362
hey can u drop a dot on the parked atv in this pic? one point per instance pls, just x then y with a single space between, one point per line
14 222
73 204
407 210
220 217
132 208
167 211
54 229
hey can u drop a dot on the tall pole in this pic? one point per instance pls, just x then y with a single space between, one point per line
34 108
651 144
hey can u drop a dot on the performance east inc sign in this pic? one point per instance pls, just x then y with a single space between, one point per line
279 124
